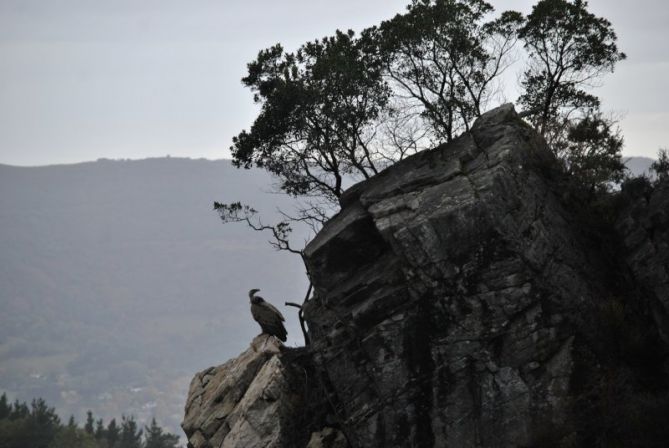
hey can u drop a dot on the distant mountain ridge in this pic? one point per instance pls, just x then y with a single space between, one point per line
638 165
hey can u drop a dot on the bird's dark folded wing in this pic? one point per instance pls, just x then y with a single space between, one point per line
270 319
273 308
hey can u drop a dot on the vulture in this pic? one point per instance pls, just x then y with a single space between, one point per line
270 319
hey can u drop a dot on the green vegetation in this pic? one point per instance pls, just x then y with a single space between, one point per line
38 426
342 108
323 107
318 107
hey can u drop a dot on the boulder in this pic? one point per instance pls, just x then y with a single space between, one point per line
248 402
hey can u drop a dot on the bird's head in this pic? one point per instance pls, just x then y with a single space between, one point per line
253 293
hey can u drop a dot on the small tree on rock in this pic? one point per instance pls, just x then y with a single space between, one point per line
317 109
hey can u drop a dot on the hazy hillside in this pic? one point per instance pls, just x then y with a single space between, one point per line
638 165
118 281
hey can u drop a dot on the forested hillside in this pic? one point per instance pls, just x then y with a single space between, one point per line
38 426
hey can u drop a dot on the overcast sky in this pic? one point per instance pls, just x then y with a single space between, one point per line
84 79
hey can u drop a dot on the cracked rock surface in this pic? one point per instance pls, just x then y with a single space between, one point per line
453 296
248 402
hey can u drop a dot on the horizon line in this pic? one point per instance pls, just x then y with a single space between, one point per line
120 159
168 156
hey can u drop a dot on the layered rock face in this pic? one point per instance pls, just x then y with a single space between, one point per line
455 297
457 303
249 402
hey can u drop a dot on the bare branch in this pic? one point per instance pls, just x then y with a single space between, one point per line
238 212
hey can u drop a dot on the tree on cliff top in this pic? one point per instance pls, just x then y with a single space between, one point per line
445 58
342 108
320 108
324 106
569 50
317 111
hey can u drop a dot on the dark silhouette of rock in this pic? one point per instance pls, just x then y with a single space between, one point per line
643 227
461 300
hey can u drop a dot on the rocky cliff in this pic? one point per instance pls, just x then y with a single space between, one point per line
461 300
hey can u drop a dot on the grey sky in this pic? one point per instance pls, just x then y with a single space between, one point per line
83 79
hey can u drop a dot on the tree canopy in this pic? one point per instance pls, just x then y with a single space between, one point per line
444 57
342 108
317 109
569 49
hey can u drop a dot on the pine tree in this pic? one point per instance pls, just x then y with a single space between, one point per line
19 411
112 433
155 438
42 425
570 49
5 407
131 436
99 430
89 426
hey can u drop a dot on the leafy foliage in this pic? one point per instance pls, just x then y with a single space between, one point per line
591 153
345 107
569 49
342 108
317 109
238 212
